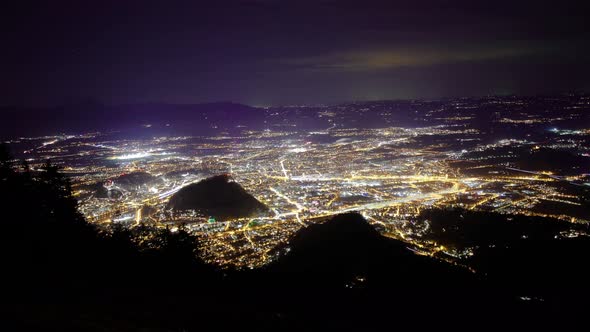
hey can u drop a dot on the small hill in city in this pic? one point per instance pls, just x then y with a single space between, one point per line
123 182
218 196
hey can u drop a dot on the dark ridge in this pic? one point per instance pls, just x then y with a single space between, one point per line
218 196
343 272
91 116
524 254
347 247
461 228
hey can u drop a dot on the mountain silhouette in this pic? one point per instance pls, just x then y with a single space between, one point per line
343 275
347 250
205 118
218 196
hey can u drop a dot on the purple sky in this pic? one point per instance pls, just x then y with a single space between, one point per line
284 52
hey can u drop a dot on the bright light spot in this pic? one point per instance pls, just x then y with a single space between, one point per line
138 155
124 218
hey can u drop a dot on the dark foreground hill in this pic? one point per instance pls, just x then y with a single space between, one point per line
63 274
219 196
344 275
347 251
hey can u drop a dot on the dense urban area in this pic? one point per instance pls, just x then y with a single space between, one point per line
388 160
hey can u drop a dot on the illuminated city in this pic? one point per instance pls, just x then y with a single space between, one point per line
303 165
441 157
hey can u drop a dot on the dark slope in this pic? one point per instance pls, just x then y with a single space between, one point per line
343 275
347 250
534 257
218 196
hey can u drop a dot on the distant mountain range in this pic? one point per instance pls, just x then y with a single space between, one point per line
93 116
493 117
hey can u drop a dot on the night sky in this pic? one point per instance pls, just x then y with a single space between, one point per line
288 52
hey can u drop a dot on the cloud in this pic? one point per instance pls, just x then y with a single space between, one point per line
407 57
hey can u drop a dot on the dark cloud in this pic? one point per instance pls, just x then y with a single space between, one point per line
374 60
